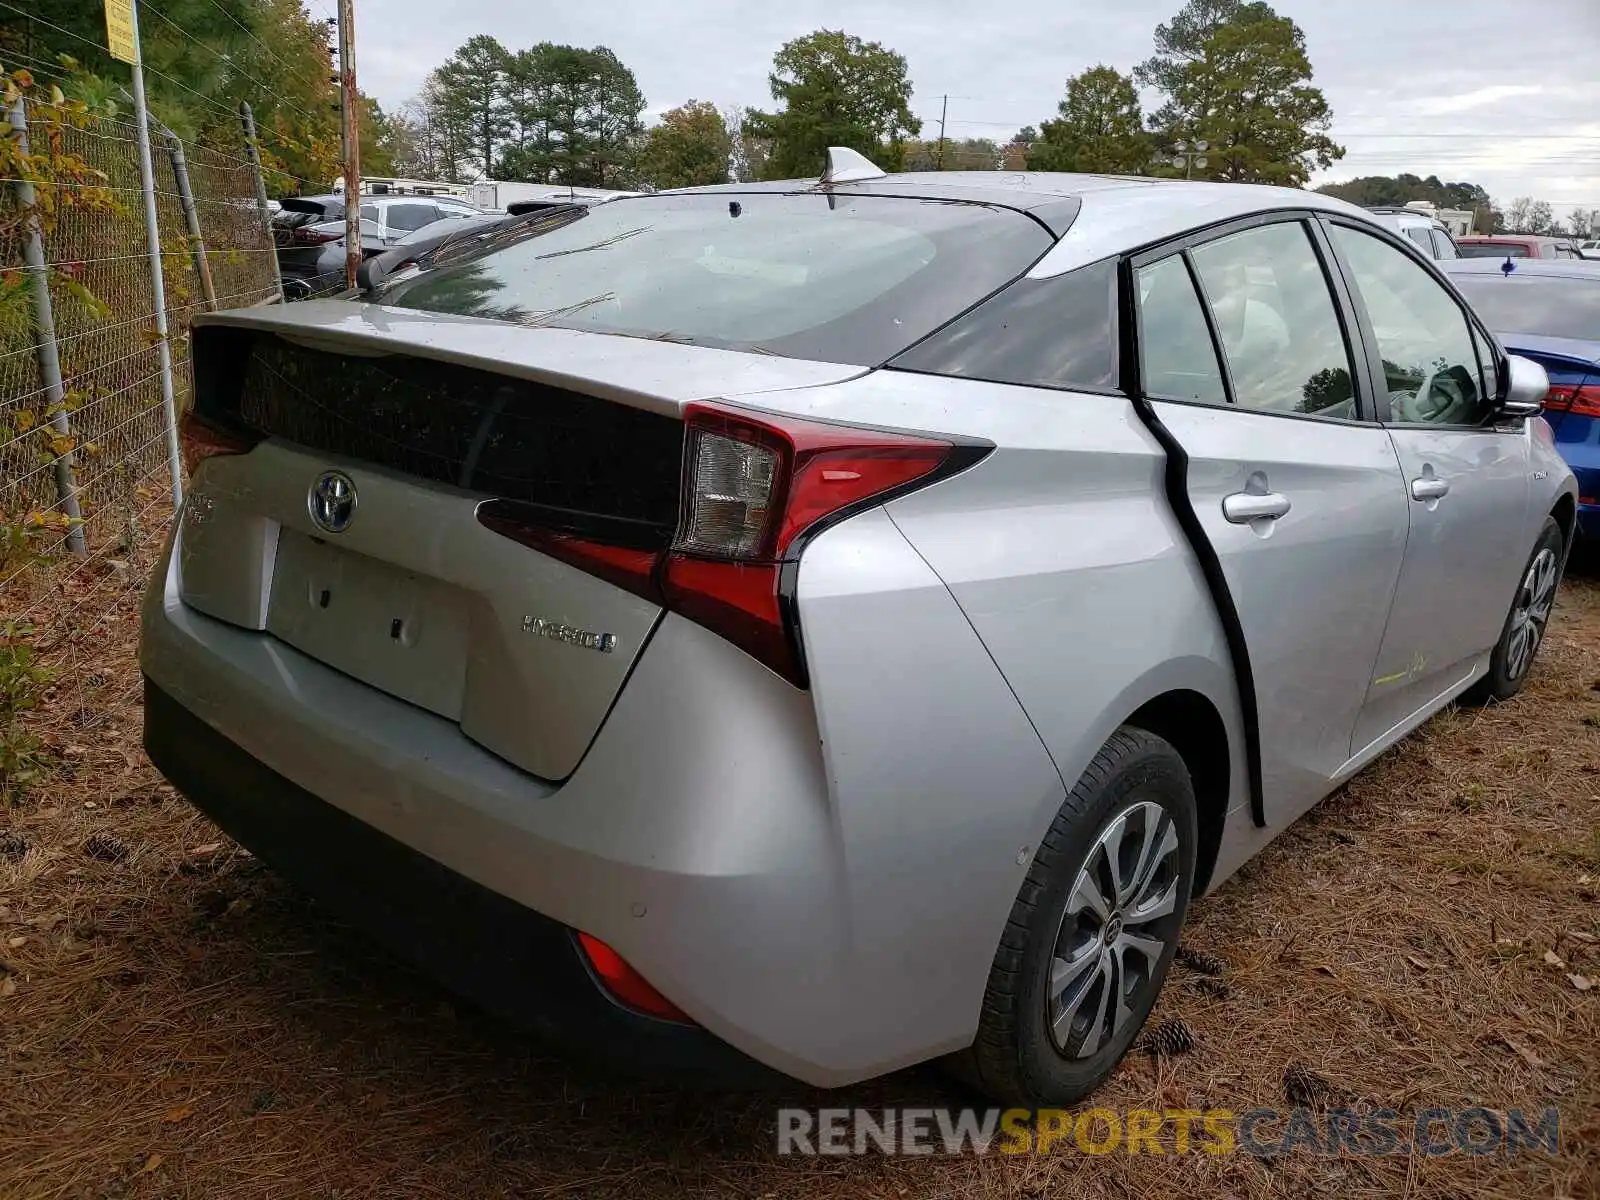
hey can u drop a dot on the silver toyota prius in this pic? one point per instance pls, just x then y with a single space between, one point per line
804 629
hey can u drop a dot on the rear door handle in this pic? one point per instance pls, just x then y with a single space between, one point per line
1430 487
1243 507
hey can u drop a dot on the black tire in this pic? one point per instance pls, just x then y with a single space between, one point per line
1015 1058
1510 663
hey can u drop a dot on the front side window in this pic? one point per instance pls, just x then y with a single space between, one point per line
1176 357
1419 235
1430 364
1280 331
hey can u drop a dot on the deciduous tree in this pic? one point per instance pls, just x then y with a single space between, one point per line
1236 75
691 146
835 90
1099 127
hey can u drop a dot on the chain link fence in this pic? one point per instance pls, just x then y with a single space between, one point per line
86 482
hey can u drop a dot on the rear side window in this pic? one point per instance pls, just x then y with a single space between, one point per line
1443 247
1275 315
410 216
1056 333
1419 235
1176 357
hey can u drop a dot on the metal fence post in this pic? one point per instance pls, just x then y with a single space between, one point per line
45 340
158 282
249 120
191 217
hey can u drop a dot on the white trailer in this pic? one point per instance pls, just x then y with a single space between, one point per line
494 195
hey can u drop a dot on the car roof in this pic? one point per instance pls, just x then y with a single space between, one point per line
1564 268
1094 216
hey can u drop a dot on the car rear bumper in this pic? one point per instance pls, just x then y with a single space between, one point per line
698 837
505 957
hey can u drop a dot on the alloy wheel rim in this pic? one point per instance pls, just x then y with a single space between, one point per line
1121 915
1531 613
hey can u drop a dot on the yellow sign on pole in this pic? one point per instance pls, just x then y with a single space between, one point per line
119 30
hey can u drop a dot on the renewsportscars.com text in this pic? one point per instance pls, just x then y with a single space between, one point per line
1264 1132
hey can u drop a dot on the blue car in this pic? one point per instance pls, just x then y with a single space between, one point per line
1549 311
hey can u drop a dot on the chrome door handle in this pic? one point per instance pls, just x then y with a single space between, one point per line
1243 507
1430 487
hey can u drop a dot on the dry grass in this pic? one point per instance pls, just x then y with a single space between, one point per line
182 1024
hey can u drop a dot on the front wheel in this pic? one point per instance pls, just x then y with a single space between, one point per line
1093 929
1525 625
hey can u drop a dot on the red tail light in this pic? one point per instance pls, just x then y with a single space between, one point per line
201 440
627 985
1582 400
754 488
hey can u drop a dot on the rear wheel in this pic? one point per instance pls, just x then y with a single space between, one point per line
1525 625
1093 931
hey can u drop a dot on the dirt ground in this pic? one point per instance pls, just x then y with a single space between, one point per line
175 1022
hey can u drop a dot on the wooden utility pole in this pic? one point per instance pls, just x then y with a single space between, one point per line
938 158
350 133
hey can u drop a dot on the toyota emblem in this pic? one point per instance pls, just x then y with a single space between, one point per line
332 502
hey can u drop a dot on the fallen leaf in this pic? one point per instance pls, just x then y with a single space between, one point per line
1527 1055
150 1164
1554 959
208 848
17 941
8 986
1578 935
1420 964
1326 970
1581 982
174 1115
46 921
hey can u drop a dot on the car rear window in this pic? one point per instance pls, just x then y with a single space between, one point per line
1492 249
1553 306
837 278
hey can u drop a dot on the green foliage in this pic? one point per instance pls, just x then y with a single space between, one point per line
1099 128
23 758
472 98
575 114
1237 76
690 147
836 90
202 58
1401 189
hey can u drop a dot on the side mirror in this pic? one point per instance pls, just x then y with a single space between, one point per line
1527 384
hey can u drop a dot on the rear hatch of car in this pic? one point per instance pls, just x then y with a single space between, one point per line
395 495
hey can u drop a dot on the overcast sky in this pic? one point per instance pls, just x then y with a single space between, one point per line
1502 94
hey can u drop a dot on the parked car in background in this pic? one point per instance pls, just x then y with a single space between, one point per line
822 625
1430 234
1516 245
1550 312
457 237
309 233
1590 248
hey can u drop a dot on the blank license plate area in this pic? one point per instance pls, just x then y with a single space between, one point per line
402 633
